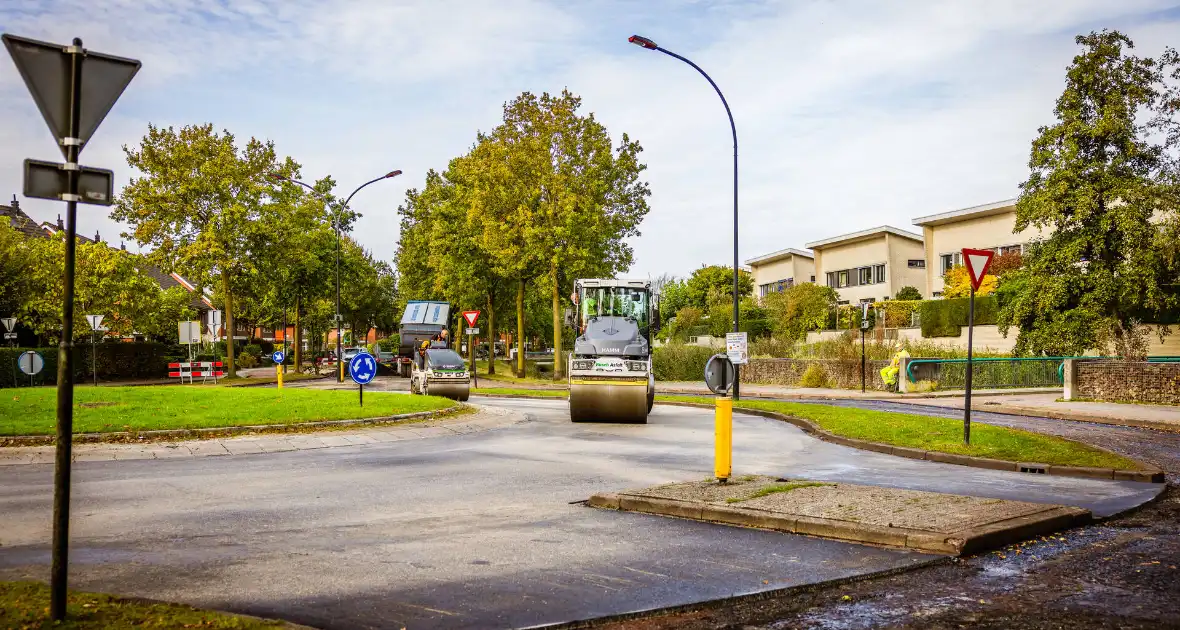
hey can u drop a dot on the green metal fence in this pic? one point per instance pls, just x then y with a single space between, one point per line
999 372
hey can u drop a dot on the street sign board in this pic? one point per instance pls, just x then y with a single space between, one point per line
8 336
30 363
278 356
189 332
864 316
471 317
362 368
978 261
736 348
471 331
719 374
95 321
45 67
50 180
9 323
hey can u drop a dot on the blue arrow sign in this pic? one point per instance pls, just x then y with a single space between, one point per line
362 368
278 356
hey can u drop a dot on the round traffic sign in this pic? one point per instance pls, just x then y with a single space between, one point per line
362 368
30 363
719 374
278 356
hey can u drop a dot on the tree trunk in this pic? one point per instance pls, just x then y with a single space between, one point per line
491 336
298 340
520 371
558 366
229 326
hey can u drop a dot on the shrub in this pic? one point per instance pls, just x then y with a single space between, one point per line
771 348
908 293
246 361
680 362
115 360
815 376
252 349
944 318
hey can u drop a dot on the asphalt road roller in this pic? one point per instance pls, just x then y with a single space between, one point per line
610 375
440 371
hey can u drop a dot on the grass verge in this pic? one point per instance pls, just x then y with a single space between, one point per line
26 605
944 435
110 409
777 488
519 391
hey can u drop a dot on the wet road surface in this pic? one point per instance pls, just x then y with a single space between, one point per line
472 531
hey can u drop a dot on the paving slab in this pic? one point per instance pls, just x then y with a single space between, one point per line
931 522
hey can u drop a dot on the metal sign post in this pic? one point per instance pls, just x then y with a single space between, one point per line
74 88
471 317
95 321
977 261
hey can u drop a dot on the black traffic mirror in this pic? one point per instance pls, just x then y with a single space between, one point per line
719 374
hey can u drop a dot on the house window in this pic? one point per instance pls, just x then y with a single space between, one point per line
813 278
879 274
951 260
916 263
864 275
830 278
841 279
867 300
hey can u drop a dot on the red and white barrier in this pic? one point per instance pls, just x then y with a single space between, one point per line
189 369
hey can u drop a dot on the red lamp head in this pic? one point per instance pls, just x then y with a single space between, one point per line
642 41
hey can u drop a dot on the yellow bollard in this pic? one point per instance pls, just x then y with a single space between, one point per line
723 439
279 372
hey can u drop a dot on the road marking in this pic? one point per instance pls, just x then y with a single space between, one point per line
434 610
645 572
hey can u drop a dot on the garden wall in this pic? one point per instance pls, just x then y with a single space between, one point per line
1124 381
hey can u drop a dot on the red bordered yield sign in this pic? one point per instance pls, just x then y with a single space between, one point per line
471 317
978 261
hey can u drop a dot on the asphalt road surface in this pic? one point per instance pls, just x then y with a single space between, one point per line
470 531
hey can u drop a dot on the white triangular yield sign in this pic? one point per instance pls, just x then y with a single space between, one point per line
9 323
471 317
978 261
95 321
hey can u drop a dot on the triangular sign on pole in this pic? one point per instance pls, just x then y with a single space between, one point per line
978 261
45 67
9 323
95 321
471 317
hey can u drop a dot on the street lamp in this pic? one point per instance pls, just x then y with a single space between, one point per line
648 44
336 227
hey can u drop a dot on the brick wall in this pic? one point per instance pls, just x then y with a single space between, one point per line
1128 381
787 372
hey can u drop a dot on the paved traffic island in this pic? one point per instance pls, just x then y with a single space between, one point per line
930 522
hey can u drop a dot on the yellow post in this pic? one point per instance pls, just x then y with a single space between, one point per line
279 373
723 439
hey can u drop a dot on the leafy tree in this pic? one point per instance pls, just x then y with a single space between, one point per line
16 269
197 203
716 277
957 283
1002 264
800 309
908 293
1098 175
751 317
686 319
673 298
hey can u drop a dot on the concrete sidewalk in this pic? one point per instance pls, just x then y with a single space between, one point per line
821 393
1161 417
486 418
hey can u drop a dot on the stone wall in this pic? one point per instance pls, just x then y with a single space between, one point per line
1127 381
787 372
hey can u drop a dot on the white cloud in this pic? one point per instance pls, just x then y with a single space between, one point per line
849 114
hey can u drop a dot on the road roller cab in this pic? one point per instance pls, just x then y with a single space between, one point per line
610 374
441 373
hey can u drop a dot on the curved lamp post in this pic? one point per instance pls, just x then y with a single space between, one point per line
644 42
336 227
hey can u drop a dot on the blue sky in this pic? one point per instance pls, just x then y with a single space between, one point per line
849 114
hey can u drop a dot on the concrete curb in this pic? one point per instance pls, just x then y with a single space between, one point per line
1147 476
963 542
196 434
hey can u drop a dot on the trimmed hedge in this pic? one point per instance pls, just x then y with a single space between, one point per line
945 318
680 362
116 360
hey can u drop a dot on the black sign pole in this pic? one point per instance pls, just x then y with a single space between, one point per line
94 355
967 400
361 390
65 353
862 358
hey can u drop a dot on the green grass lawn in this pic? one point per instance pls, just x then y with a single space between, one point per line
520 391
26 605
930 433
505 372
32 411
